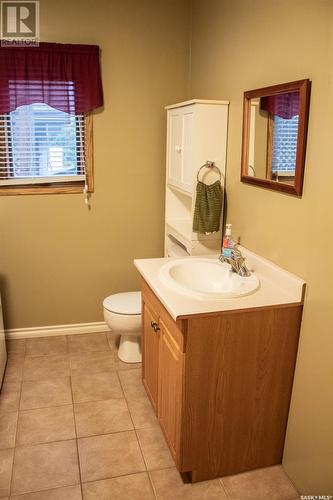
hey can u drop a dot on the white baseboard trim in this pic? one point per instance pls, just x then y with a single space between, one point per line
53 330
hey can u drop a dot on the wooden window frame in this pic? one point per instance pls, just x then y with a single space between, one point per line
303 87
68 187
270 139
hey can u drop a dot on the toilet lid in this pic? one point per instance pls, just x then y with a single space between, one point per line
124 303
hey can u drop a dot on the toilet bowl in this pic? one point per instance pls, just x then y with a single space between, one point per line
122 313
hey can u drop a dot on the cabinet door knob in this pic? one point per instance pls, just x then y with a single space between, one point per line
179 149
155 326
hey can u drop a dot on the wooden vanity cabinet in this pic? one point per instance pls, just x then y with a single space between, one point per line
163 368
150 347
220 384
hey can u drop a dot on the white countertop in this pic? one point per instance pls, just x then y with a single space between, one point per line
277 287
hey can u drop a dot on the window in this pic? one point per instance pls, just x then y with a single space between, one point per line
284 145
42 146
47 94
282 134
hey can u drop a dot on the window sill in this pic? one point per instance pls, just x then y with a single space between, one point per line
44 189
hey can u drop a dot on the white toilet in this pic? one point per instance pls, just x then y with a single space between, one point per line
122 313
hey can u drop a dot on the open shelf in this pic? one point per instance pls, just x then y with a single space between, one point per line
181 230
179 190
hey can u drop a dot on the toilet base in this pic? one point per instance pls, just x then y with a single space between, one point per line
129 350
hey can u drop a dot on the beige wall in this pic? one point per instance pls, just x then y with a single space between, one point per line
57 259
242 45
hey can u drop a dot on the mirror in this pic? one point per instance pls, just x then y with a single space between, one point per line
274 136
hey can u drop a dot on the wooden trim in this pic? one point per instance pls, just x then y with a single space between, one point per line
55 330
89 151
270 140
282 88
42 189
195 101
75 187
304 87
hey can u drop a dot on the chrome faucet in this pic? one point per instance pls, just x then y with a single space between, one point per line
237 262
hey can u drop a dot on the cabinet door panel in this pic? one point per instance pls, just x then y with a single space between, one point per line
187 163
150 342
171 361
175 148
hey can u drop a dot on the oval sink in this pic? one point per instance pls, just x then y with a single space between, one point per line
206 278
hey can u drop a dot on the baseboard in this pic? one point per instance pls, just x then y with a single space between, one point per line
53 330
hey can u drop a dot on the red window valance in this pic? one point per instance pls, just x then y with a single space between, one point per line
64 76
284 105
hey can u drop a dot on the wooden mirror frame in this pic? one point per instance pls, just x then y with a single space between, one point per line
303 86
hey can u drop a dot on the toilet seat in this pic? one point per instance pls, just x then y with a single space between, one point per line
128 303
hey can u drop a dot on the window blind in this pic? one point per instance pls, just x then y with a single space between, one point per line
40 144
285 145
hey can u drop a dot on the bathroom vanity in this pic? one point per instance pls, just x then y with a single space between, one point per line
219 373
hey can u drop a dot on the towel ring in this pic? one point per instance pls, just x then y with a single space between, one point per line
211 165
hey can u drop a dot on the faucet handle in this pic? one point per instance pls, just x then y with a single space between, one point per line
236 253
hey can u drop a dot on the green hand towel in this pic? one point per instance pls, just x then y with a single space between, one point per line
208 207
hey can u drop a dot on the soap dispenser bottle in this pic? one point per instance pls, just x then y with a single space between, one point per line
228 243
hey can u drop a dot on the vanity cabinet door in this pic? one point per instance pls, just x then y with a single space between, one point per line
171 363
150 343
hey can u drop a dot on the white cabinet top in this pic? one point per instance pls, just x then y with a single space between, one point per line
195 101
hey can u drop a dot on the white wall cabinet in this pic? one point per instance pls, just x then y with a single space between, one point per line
179 154
196 133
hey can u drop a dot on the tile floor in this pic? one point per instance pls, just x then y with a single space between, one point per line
76 424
